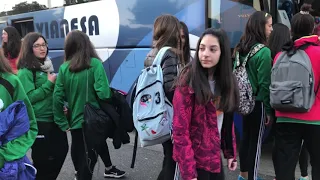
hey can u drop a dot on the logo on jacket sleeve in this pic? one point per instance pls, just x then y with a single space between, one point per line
1 105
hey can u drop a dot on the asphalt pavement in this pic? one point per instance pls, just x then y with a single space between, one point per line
147 167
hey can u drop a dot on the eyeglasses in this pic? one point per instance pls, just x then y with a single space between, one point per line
38 46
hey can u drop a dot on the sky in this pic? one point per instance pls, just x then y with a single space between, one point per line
6 5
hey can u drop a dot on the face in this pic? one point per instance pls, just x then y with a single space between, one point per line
40 48
209 51
4 36
183 38
268 27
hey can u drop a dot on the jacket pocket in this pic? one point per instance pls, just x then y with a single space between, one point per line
287 96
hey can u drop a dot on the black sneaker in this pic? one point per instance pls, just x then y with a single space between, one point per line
114 173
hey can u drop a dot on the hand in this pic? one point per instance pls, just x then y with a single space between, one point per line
268 121
52 77
232 164
194 179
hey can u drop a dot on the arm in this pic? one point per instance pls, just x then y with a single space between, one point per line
58 103
34 94
18 147
170 72
264 77
101 83
228 138
182 147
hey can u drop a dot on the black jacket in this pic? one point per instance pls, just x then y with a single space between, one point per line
169 63
120 113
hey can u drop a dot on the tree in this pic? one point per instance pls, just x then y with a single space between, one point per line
72 2
24 7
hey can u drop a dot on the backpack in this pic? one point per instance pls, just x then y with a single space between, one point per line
292 82
152 111
247 100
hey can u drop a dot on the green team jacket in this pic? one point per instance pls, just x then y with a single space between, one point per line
259 74
40 93
18 147
72 88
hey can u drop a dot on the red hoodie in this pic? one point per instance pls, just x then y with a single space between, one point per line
314 55
13 63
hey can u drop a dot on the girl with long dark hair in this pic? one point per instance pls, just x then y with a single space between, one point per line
257 32
205 98
82 79
293 127
185 41
166 32
11 44
17 148
37 75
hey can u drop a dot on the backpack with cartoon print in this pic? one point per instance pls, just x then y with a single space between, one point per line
247 99
152 111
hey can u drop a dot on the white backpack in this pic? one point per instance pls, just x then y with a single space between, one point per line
152 112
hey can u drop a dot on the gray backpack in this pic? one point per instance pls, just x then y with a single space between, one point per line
292 82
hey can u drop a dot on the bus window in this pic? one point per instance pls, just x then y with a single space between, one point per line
232 16
23 26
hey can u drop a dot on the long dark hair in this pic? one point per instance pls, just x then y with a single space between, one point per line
254 32
11 48
186 48
4 63
166 32
196 76
27 59
279 37
302 23
79 51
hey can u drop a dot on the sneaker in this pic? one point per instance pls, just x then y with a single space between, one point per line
114 173
241 178
304 178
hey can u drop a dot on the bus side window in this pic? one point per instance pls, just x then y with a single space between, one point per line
24 26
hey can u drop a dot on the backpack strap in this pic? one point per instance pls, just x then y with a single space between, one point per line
34 74
304 47
7 85
252 52
158 58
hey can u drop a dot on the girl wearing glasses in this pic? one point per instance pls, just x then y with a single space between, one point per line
37 77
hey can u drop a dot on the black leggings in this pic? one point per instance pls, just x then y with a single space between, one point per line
205 175
49 151
83 163
250 147
289 137
304 160
169 165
